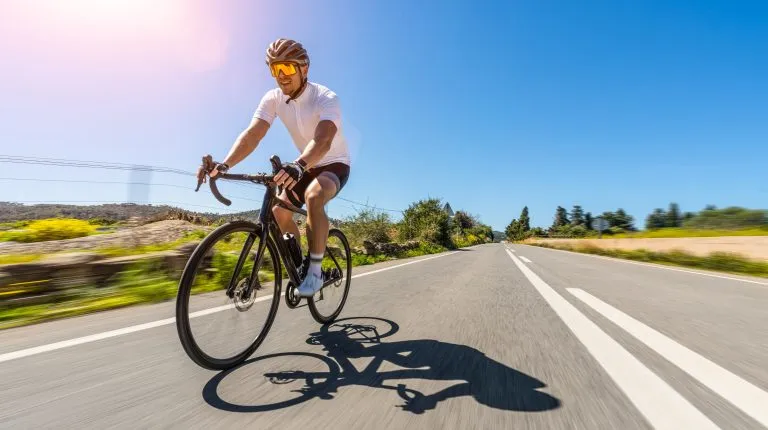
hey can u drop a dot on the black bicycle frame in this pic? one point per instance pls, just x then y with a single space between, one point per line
269 228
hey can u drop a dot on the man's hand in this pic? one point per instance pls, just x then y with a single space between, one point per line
209 168
289 175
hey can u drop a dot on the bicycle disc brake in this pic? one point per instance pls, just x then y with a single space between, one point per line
244 297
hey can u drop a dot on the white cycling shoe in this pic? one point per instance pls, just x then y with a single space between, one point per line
311 285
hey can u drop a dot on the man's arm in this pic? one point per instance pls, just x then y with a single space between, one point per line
246 143
321 144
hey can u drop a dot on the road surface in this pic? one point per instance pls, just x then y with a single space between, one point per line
494 336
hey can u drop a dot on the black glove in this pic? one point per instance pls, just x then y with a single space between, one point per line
294 170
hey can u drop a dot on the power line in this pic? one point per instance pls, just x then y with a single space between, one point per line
61 162
89 164
368 206
116 182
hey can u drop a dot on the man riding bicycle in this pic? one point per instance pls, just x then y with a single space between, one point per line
312 115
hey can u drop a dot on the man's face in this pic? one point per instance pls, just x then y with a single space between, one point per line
289 83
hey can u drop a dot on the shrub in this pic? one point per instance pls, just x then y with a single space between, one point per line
53 229
367 224
425 221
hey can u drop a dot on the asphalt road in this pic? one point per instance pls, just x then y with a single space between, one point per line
493 336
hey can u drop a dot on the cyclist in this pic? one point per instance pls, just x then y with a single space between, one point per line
312 115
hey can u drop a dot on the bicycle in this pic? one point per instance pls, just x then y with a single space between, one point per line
204 277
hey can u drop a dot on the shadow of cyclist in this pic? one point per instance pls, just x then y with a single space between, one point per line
486 380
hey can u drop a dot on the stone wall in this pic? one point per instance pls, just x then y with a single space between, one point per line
63 275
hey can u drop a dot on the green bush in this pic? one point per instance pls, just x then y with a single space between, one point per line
368 225
425 220
51 229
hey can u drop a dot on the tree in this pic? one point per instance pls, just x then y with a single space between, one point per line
688 215
673 216
619 219
658 219
514 231
588 220
577 215
624 221
561 218
426 220
525 221
462 221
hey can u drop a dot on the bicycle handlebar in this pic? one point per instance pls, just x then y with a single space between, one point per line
261 178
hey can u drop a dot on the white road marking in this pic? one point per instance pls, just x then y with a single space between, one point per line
525 259
140 327
657 266
662 406
745 396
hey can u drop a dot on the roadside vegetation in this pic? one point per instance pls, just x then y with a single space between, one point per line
671 223
719 261
424 228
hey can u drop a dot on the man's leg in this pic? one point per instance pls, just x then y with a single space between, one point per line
318 194
320 191
284 219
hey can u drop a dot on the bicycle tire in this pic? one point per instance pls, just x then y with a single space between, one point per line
183 325
316 314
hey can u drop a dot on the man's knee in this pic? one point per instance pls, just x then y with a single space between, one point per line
281 214
315 197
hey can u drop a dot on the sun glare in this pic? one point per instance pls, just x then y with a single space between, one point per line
137 31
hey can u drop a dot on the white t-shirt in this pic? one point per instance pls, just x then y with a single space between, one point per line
301 116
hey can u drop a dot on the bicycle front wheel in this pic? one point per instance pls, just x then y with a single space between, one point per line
220 330
327 303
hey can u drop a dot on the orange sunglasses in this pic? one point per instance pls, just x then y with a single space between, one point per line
288 69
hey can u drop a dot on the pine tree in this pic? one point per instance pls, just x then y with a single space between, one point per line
577 215
525 221
673 216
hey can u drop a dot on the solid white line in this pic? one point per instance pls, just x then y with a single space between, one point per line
525 259
657 266
360 275
662 406
745 396
132 329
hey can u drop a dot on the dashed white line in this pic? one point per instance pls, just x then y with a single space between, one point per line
745 396
525 259
146 326
662 406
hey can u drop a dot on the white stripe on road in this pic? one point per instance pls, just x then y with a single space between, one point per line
140 327
525 259
657 266
662 406
745 396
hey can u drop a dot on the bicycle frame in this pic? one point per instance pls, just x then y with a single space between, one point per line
269 228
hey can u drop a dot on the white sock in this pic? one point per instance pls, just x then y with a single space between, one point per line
315 261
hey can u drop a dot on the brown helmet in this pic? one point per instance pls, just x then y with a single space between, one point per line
287 50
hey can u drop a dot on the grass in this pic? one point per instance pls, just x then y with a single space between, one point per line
146 282
718 261
685 232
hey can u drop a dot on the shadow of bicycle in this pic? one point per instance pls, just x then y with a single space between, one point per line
489 382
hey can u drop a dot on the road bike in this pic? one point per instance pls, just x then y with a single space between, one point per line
224 277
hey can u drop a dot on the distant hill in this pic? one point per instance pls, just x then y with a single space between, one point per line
121 212
113 212
498 236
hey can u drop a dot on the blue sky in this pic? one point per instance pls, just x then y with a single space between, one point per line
490 106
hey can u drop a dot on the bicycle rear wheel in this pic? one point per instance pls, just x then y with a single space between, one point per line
327 303
218 331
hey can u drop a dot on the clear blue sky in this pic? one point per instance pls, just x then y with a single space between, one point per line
490 106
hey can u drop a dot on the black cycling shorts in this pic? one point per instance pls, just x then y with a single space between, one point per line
337 172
